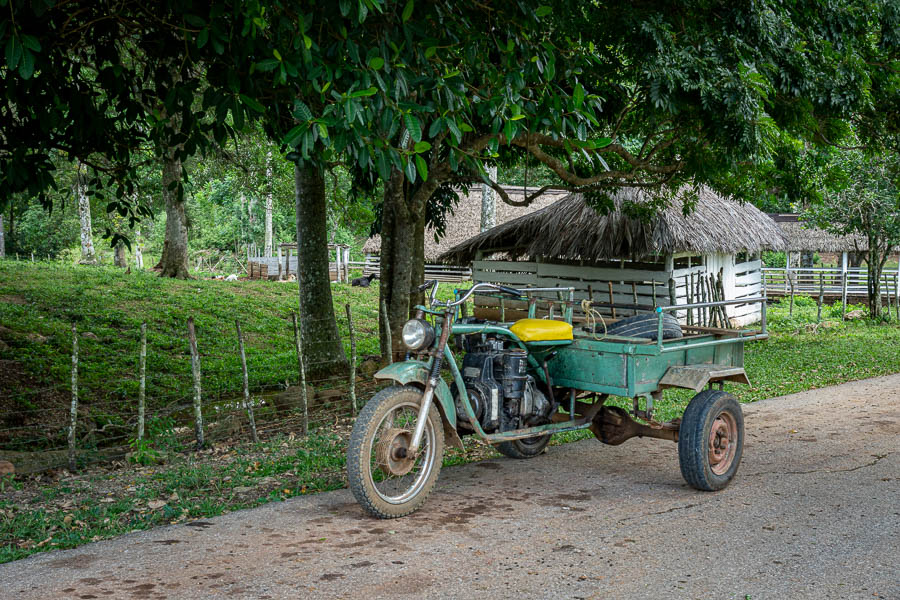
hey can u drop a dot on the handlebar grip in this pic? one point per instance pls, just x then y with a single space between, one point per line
509 290
427 284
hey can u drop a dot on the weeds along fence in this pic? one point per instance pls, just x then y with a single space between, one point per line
176 394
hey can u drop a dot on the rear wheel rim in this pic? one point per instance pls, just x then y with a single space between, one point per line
722 443
395 429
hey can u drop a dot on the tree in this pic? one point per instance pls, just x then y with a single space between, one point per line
865 201
88 256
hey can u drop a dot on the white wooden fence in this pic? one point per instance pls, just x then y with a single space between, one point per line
833 281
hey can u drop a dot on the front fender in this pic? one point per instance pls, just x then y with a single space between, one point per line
415 371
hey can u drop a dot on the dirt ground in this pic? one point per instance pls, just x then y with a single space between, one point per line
814 512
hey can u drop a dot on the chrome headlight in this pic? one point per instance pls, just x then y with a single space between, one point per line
417 334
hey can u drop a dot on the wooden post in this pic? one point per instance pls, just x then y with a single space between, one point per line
887 291
843 284
843 294
611 301
897 295
787 269
654 294
821 297
142 385
791 309
720 284
73 410
195 371
304 400
634 295
352 360
689 318
673 296
248 406
503 311
387 332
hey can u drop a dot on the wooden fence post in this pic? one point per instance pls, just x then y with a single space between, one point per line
843 294
73 410
821 296
689 298
142 385
195 372
304 400
791 309
897 294
611 299
352 361
247 405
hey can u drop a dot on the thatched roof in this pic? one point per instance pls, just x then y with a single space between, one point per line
465 221
572 230
803 236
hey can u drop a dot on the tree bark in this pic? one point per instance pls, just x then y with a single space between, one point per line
2 239
489 202
174 261
138 249
322 343
269 201
88 255
119 258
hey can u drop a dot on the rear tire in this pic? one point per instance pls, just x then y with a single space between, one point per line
711 440
521 449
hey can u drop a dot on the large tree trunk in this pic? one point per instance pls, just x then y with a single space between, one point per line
489 202
174 261
119 256
2 239
267 250
876 266
396 255
322 343
88 255
402 254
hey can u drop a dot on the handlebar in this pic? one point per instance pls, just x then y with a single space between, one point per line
499 288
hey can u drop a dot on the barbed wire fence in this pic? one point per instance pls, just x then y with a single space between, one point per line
176 398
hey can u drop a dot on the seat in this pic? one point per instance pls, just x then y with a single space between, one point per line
542 330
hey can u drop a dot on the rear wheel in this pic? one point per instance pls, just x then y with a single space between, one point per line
711 440
387 482
524 448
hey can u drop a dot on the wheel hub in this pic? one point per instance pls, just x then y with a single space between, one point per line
391 454
721 443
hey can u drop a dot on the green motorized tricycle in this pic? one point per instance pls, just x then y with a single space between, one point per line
521 382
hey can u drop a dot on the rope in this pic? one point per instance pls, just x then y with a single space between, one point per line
590 316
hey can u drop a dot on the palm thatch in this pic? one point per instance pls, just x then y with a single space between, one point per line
465 221
801 236
570 229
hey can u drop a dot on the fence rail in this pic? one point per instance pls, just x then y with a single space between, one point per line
833 281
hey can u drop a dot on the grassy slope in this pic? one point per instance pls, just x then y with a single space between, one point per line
45 299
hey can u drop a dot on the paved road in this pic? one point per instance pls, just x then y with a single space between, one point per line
813 513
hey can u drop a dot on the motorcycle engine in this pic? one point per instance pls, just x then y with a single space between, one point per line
502 393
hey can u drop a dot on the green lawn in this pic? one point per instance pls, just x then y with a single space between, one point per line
61 510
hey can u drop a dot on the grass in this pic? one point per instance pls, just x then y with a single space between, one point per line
61 510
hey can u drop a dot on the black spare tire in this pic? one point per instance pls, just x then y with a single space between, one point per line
644 326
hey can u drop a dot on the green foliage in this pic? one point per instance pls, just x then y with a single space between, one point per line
774 259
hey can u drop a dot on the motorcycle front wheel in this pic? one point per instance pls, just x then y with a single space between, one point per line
387 482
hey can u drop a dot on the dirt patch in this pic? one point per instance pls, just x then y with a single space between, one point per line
13 299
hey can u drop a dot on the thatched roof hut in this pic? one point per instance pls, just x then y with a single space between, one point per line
465 220
570 229
801 236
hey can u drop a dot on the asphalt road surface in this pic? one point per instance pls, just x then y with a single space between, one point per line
814 512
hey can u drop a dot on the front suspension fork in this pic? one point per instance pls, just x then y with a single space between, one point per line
430 385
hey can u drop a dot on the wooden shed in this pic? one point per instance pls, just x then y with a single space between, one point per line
569 243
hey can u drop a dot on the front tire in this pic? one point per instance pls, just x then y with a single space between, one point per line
711 440
385 482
